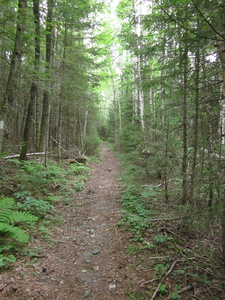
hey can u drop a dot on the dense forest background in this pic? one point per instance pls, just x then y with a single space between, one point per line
148 76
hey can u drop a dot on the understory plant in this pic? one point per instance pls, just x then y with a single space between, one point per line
10 218
163 239
30 204
11 222
29 192
138 209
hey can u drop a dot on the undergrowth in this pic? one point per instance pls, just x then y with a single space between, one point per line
183 263
29 193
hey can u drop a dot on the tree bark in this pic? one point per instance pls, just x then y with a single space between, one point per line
34 86
46 97
185 132
196 126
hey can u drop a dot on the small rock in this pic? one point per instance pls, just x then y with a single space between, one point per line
95 251
111 287
87 294
36 265
88 261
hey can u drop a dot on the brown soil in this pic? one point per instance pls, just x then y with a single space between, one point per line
84 256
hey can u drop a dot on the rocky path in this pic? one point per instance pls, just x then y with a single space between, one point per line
84 256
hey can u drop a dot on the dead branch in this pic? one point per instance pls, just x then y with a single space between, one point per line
59 145
172 233
150 281
181 291
164 277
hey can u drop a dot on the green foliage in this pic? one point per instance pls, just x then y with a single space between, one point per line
36 176
160 269
138 208
175 296
92 141
53 198
32 205
5 260
78 169
37 207
138 295
4 153
130 138
162 289
162 238
79 186
10 217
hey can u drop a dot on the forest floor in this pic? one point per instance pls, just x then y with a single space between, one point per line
84 256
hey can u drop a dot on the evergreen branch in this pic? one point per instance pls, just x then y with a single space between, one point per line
207 22
186 28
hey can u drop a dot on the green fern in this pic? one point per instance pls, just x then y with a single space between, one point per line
6 203
12 217
15 232
9 218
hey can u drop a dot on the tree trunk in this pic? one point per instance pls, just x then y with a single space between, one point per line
46 97
61 96
185 132
196 127
11 86
34 86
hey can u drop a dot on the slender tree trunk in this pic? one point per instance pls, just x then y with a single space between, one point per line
223 225
196 126
46 96
166 165
11 86
34 86
210 150
61 97
185 127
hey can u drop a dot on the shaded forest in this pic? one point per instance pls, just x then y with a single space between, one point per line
147 77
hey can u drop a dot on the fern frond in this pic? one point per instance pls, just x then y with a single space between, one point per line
4 218
6 203
15 232
11 216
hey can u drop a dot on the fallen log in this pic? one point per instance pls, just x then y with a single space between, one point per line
28 154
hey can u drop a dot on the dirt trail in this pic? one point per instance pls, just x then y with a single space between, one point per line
87 259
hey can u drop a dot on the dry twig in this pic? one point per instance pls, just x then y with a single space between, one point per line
164 277
185 289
